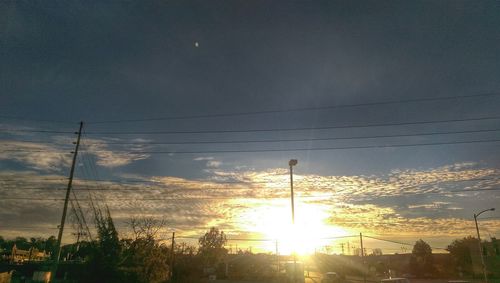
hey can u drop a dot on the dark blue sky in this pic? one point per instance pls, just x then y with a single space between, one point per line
124 60
119 60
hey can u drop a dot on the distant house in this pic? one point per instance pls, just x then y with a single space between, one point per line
33 254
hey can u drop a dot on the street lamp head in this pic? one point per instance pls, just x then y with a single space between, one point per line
292 162
490 209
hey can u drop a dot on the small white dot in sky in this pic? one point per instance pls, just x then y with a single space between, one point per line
196 44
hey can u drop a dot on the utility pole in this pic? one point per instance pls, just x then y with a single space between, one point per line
485 273
292 163
278 257
172 255
65 208
362 256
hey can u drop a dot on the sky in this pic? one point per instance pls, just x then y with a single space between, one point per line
191 111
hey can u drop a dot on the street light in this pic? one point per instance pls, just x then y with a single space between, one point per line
292 163
479 243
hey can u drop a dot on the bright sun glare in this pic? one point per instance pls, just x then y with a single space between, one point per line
310 232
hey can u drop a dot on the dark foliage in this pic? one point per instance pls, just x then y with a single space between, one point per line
421 261
211 246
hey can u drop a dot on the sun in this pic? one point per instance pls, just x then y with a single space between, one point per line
309 233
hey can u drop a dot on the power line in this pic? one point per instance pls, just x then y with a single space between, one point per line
92 169
216 115
159 182
399 243
306 140
31 227
472 190
31 179
250 187
288 149
314 148
293 129
427 99
37 131
31 198
35 142
163 199
61 151
35 120
264 130
208 182
489 218
232 197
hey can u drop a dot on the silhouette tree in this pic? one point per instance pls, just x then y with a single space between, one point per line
104 261
22 243
211 246
145 258
494 242
460 253
50 244
421 261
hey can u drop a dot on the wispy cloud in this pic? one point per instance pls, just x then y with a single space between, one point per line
112 157
203 158
39 156
355 203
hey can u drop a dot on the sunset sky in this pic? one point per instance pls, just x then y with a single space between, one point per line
192 110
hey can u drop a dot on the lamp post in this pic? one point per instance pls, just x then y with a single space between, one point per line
292 163
479 243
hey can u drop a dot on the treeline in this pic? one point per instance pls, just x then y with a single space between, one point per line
139 258
23 243
462 261
144 257
465 255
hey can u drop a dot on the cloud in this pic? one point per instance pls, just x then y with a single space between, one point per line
434 205
387 221
113 157
370 204
210 162
203 158
55 153
214 164
45 157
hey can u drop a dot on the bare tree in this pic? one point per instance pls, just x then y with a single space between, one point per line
146 258
146 227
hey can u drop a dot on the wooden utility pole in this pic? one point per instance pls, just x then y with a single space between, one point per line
278 257
292 163
362 256
172 256
57 253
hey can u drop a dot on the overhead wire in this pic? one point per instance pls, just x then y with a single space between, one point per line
368 125
214 182
304 140
194 198
217 115
250 186
139 152
398 242
82 215
314 148
36 120
346 126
